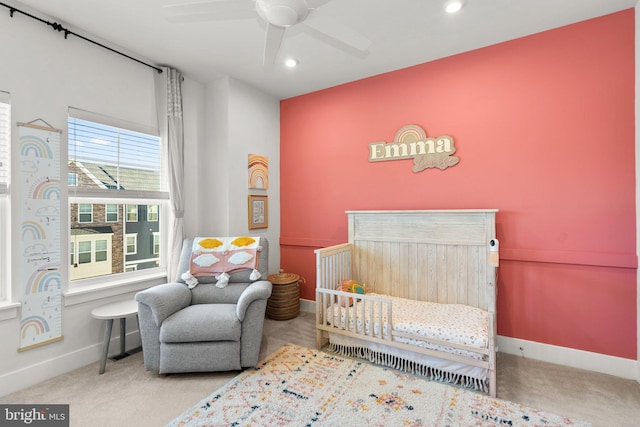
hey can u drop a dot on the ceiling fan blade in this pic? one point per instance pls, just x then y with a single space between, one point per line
272 44
209 10
337 31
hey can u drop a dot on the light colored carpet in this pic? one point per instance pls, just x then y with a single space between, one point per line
299 386
127 395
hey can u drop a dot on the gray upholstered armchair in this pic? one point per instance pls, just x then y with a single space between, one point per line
205 328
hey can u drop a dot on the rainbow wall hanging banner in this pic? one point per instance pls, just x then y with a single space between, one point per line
39 199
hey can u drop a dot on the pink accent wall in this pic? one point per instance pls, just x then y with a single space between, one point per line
544 129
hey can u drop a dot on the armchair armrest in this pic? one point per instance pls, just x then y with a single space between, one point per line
257 290
164 300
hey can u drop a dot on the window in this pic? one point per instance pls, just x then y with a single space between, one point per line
5 173
84 252
152 213
111 213
85 213
119 169
156 243
132 213
132 244
101 251
72 178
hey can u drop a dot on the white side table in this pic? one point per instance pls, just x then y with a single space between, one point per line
117 310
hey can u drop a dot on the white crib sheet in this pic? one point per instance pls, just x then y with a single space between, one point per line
456 323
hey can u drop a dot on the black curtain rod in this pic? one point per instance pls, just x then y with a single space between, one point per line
60 28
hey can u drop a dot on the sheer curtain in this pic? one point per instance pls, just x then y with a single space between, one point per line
169 101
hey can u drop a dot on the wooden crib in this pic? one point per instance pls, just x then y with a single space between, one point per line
435 256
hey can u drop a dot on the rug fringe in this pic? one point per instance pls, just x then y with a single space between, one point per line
411 367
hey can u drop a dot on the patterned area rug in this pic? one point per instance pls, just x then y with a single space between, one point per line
298 386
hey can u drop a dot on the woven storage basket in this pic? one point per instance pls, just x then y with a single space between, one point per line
284 302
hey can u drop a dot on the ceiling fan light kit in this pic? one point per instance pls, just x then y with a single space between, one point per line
282 13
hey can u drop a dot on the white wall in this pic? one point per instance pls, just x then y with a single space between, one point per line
241 120
45 74
214 190
254 128
193 107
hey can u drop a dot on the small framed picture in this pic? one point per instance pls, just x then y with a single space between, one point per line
258 211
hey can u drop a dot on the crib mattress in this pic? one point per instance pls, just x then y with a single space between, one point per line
456 323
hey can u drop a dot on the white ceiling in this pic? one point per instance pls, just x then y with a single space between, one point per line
403 33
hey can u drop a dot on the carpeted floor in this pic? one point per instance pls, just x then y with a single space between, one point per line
127 395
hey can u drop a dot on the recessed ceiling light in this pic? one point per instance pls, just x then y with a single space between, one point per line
453 6
291 62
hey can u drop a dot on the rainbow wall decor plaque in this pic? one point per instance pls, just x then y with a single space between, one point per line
39 234
258 172
411 142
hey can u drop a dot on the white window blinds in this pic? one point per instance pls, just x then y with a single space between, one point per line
109 161
5 141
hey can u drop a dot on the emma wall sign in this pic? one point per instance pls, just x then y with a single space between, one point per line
411 142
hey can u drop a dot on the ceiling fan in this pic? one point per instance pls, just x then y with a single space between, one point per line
278 14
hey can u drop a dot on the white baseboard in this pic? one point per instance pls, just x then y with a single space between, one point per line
36 373
307 306
611 365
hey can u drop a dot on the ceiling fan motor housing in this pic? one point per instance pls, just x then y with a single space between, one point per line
282 13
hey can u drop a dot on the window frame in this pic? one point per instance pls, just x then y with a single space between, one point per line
135 212
85 213
9 308
84 251
126 243
154 212
5 252
121 197
107 213
101 250
156 249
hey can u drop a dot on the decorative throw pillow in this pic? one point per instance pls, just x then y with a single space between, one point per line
218 257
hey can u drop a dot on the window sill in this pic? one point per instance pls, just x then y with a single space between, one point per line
93 292
9 310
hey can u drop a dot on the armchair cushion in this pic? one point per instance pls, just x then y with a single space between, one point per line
208 293
202 322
